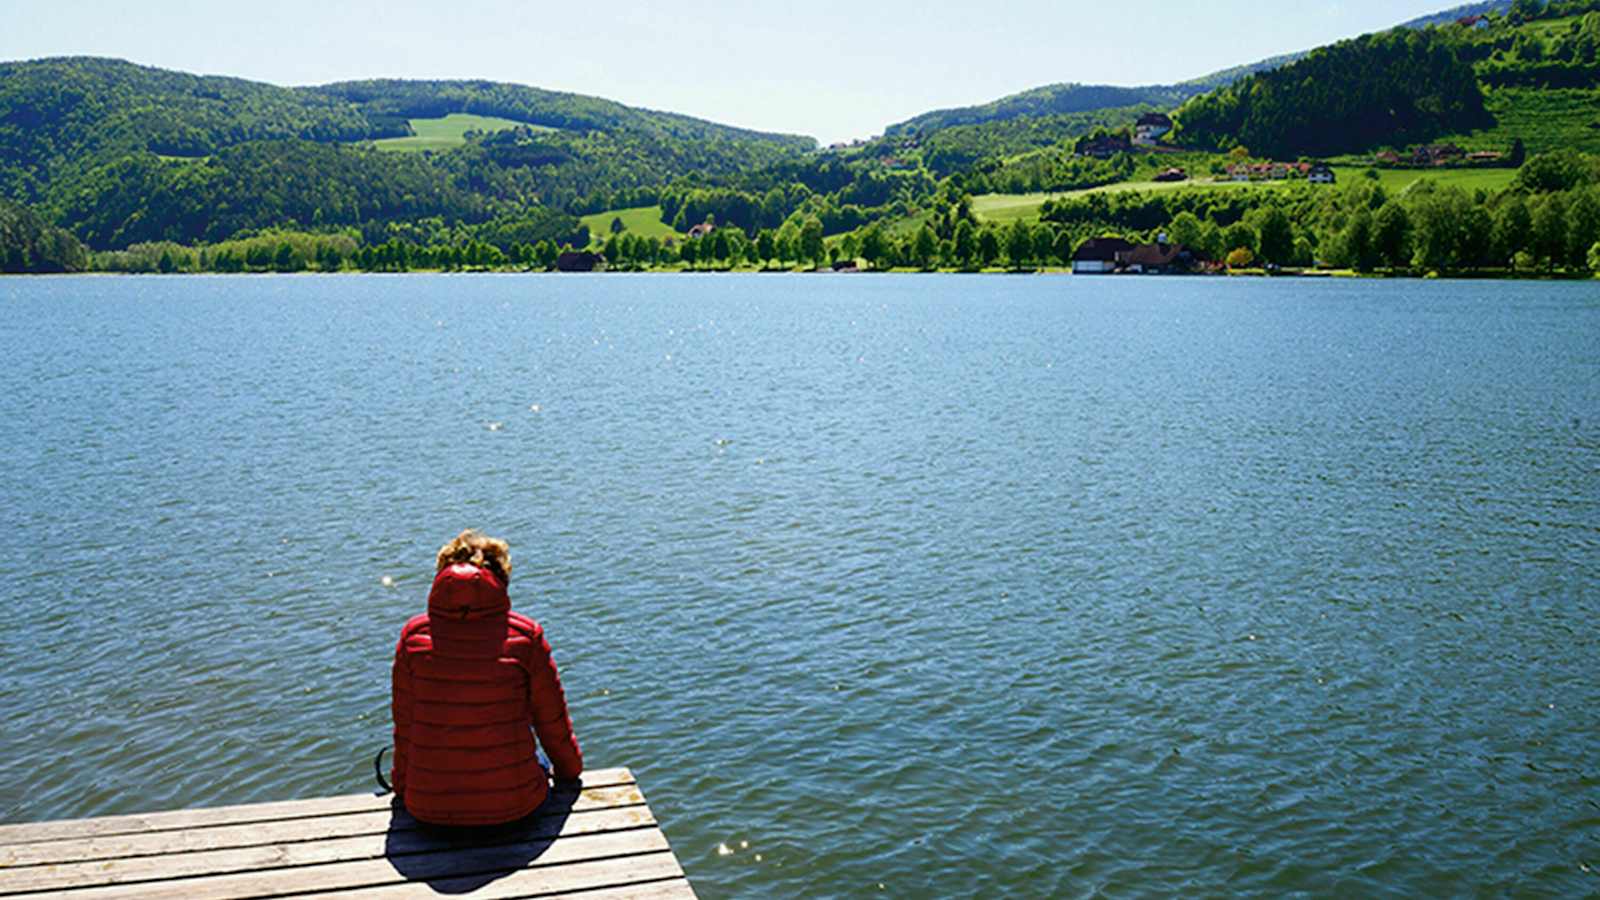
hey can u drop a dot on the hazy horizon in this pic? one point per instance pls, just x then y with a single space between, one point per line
833 71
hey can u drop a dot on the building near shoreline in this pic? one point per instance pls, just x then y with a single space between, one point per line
1160 258
580 261
1115 256
1098 256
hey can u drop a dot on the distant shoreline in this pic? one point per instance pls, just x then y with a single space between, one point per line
1315 274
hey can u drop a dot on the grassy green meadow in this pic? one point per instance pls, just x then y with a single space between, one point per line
1004 209
1395 181
447 132
1007 208
643 221
1545 118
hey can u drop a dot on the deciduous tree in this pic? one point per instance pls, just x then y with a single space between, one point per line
924 248
1392 235
766 246
1513 229
1358 250
1276 236
1583 226
1550 231
1185 230
1044 242
988 246
1239 236
1019 243
811 247
966 244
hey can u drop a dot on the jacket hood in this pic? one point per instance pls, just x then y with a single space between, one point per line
466 593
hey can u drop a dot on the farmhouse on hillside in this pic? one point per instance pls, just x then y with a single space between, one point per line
1436 155
704 229
1150 128
1104 147
1321 173
1268 171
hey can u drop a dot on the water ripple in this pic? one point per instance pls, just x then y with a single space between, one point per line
1048 587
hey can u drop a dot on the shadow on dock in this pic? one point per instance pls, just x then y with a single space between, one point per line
462 860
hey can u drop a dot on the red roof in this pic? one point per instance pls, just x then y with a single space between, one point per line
1151 256
1101 250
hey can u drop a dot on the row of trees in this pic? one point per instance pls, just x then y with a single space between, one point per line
1549 220
1361 226
301 252
1447 230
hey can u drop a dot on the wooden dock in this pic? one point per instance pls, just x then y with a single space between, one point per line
598 845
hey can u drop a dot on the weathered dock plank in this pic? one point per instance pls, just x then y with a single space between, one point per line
64 850
225 815
603 844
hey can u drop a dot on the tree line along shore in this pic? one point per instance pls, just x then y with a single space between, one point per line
1468 147
1545 224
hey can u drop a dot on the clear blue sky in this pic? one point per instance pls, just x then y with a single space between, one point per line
833 69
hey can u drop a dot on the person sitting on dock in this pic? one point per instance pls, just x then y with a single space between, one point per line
473 683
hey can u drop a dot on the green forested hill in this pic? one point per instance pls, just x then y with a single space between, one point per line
1399 87
1064 99
259 185
60 116
1455 13
123 153
396 100
1408 86
1055 99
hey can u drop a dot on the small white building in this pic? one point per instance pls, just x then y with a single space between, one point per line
1321 174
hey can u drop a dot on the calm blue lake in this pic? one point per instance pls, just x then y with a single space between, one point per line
909 585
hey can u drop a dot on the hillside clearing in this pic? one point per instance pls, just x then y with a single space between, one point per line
1545 118
1397 180
1003 209
642 221
447 132
1007 208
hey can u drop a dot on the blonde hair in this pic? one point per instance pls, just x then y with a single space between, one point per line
479 550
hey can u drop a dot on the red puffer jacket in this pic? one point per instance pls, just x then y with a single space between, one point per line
470 678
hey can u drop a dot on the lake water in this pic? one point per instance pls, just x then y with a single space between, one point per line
901 585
